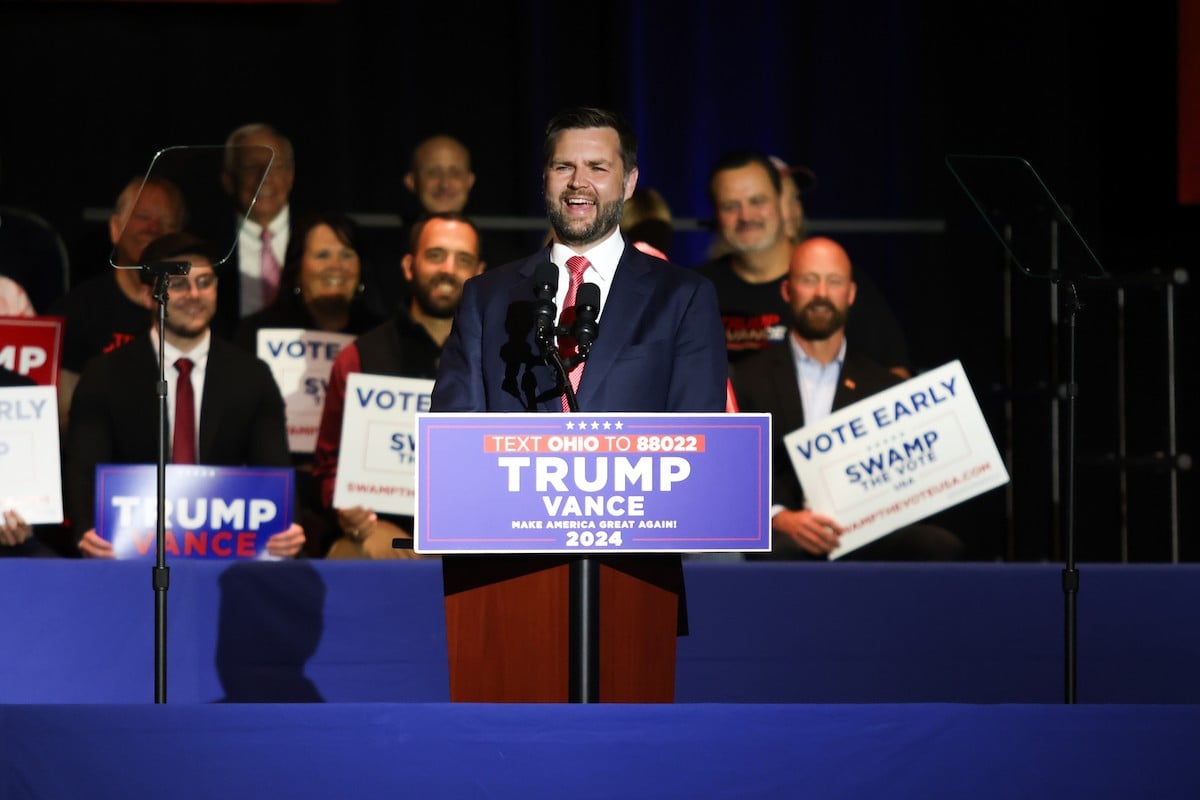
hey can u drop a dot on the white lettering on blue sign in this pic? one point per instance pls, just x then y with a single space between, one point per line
618 474
198 513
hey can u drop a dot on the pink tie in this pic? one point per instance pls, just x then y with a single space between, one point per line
183 443
270 269
567 346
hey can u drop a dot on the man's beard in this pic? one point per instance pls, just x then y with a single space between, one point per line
568 231
423 294
819 330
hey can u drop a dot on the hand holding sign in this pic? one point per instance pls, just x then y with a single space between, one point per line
896 457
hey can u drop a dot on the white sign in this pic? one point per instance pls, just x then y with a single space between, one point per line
897 456
301 361
377 458
30 480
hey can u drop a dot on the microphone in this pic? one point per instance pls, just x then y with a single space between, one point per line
545 315
587 309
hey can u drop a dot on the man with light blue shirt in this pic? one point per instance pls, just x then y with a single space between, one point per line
804 378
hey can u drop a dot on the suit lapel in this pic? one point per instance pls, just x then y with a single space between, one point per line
214 399
785 383
627 300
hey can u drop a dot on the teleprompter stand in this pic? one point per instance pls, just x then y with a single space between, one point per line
1042 241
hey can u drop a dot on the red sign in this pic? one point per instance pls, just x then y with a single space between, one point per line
32 346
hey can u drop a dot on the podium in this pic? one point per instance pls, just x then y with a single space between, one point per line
508 627
561 539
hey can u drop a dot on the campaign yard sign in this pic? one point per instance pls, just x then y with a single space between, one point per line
593 483
377 458
301 361
30 479
897 456
32 346
211 512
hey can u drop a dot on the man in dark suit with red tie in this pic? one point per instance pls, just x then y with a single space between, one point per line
661 349
807 376
236 408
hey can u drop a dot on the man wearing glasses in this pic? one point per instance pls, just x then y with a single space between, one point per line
237 408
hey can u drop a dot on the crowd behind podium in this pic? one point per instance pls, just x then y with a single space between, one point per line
307 268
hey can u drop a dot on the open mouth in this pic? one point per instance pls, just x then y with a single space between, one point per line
579 205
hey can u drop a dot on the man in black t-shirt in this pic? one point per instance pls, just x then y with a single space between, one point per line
747 195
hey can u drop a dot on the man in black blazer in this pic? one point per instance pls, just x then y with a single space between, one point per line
807 376
115 409
661 347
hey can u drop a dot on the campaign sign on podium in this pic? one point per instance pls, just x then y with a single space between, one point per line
377 456
593 483
897 456
32 346
301 361
30 478
211 512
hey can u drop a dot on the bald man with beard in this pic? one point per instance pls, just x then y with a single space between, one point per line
803 379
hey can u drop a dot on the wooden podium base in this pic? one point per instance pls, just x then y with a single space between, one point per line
508 628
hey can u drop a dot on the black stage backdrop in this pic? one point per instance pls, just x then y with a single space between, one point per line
871 96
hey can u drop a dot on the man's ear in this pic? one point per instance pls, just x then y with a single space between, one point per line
853 292
406 265
785 289
631 182
410 182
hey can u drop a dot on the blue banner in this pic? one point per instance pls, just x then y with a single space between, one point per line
211 512
598 483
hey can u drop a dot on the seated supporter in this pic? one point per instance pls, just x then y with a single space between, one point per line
444 254
804 378
238 408
320 289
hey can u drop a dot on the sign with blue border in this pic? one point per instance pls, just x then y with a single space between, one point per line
211 512
593 483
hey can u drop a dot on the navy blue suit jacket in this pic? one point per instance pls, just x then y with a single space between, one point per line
661 346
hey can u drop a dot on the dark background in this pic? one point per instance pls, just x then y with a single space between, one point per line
872 96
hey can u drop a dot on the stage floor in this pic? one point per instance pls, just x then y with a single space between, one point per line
434 750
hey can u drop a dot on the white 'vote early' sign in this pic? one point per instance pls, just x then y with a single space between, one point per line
377 458
897 456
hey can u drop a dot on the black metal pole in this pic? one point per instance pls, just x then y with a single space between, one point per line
160 573
585 631
1070 574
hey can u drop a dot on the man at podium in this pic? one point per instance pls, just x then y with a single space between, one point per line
661 349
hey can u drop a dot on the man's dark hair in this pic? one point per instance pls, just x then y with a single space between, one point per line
587 117
414 234
736 159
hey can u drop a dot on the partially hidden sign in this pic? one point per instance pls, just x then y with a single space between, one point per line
301 360
32 346
377 457
211 512
30 476
595 483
